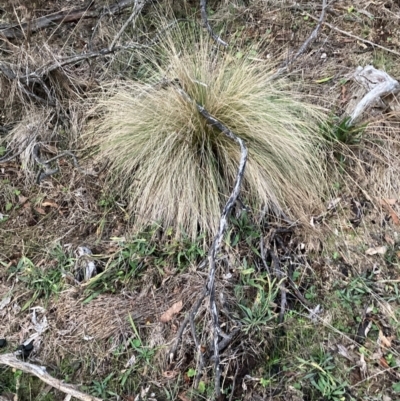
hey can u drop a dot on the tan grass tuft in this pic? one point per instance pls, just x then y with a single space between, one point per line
33 128
176 169
375 165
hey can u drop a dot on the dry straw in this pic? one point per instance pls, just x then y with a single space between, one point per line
174 168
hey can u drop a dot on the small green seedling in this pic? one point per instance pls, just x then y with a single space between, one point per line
342 131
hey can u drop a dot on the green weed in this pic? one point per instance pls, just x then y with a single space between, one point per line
44 282
99 388
320 370
257 312
142 252
340 131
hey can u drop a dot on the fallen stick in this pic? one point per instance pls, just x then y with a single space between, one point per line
37 75
378 83
223 222
350 35
135 13
305 45
17 31
203 9
40 372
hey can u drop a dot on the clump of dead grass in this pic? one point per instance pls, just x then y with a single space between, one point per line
176 169
379 166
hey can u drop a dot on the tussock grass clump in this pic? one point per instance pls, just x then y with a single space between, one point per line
176 169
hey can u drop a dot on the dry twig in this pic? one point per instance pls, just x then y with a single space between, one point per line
358 38
45 164
209 289
280 275
17 31
135 13
306 44
203 8
43 71
40 372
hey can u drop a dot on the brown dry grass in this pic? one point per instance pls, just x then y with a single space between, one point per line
372 171
175 170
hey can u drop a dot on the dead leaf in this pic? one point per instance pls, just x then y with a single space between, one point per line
49 203
173 310
342 350
381 250
344 94
376 356
385 341
363 366
384 363
40 210
4 302
333 203
386 203
394 217
51 149
22 199
389 240
182 397
128 397
170 374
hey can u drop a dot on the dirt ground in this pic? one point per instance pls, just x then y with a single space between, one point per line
111 333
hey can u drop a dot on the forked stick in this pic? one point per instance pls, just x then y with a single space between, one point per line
135 13
209 289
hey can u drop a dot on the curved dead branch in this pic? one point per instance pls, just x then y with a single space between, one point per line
139 4
209 289
305 45
203 9
40 372
18 31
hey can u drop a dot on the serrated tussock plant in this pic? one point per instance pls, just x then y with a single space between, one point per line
176 169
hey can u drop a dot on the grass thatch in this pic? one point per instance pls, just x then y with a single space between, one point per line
176 169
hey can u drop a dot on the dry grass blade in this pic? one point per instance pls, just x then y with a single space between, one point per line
177 169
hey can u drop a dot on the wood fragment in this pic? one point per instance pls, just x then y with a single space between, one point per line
203 9
378 84
311 39
350 35
17 31
209 289
133 17
40 372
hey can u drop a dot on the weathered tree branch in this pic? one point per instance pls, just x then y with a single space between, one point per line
305 45
44 70
378 83
358 38
40 372
135 13
212 254
17 31
203 9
